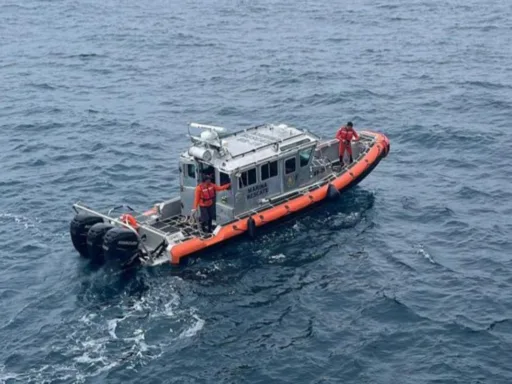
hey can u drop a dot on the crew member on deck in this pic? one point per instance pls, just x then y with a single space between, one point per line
345 135
204 198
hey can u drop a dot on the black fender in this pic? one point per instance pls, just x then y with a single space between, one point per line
332 192
251 227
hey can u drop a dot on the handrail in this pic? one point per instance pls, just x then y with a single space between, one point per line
147 228
118 222
277 142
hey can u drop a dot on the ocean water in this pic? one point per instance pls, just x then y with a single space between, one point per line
407 279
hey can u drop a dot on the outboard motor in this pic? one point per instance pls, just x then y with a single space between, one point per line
95 241
121 247
78 229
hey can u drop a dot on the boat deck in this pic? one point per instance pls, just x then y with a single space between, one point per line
188 227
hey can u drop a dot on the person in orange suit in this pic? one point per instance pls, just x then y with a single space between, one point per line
204 198
345 135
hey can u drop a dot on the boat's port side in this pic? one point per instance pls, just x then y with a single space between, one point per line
273 171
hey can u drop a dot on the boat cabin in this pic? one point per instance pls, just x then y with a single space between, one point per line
260 163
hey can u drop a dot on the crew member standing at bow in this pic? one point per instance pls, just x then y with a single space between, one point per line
204 198
345 135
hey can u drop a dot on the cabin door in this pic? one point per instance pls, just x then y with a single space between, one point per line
188 171
303 166
290 175
225 199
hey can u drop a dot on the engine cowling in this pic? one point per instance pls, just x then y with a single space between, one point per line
79 228
121 246
95 238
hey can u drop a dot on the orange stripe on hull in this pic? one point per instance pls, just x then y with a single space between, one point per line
228 231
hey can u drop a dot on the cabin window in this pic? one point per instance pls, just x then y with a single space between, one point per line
191 170
252 176
224 178
207 170
289 165
304 156
247 178
268 170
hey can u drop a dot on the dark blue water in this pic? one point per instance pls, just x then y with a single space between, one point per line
406 280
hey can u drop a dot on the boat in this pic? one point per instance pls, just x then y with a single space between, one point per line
274 171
